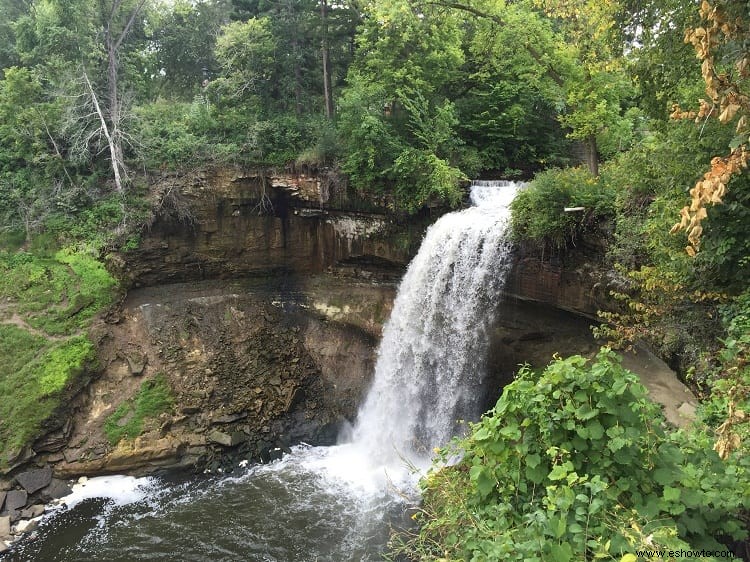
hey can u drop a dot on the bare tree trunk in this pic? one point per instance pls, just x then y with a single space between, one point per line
112 132
114 153
591 155
327 93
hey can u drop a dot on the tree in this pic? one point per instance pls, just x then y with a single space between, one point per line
246 53
185 38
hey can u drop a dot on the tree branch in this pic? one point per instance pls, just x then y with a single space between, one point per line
126 30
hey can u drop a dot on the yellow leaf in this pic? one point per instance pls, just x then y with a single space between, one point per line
629 558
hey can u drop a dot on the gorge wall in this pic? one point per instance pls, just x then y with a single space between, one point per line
261 299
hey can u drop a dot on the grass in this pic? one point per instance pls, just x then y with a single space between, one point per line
34 374
58 295
128 420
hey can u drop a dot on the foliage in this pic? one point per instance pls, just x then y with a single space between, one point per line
576 464
33 378
720 44
128 420
538 210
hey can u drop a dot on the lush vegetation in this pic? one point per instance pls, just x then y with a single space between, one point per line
577 464
406 100
33 378
127 421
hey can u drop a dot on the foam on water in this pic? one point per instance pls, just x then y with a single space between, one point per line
119 490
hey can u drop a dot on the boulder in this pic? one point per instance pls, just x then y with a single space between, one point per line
33 511
14 515
226 439
26 526
16 499
33 480
4 528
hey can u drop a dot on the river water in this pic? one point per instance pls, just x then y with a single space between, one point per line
325 503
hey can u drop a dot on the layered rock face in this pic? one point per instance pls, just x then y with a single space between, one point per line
234 223
261 306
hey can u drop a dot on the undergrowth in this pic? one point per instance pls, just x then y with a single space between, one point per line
34 376
129 419
577 464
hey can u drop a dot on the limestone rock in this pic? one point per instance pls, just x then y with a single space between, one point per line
26 526
229 418
2 499
32 512
226 439
33 480
4 528
16 499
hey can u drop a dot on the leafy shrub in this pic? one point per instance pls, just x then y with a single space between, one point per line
538 211
576 464
127 421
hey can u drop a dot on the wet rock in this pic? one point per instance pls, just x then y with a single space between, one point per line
226 439
16 499
33 511
57 489
33 480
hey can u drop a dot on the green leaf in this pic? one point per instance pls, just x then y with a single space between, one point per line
484 482
482 434
664 476
671 494
561 552
586 412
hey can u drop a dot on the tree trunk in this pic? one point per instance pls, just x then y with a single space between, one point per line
114 153
591 155
328 94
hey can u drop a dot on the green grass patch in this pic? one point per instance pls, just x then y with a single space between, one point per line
34 374
59 294
127 421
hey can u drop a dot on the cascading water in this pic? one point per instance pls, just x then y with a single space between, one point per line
431 360
332 503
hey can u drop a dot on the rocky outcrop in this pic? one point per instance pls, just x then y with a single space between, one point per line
253 365
577 281
232 223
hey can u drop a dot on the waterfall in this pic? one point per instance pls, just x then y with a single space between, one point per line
335 503
431 360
